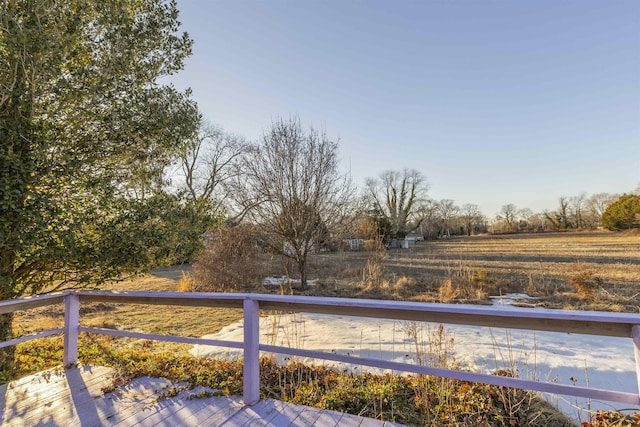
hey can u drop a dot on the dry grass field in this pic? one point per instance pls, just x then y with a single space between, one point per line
180 321
586 271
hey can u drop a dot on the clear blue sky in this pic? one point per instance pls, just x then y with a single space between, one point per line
495 102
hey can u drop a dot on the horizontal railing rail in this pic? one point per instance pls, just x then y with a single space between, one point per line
12 306
622 325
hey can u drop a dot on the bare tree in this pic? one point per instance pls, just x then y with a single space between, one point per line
560 218
209 162
524 214
563 212
596 205
508 214
537 221
427 212
470 214
295 190
577 207
522 219
599 202
447 210
396 195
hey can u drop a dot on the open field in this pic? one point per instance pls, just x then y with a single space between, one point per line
467 269
591 271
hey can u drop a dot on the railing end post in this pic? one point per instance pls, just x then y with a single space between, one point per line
635 335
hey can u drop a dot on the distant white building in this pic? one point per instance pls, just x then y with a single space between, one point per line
355 244
414 237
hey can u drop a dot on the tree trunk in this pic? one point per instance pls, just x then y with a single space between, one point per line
302 269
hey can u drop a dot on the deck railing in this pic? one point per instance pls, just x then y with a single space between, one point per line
621 325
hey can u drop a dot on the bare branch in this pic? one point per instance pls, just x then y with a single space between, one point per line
210 161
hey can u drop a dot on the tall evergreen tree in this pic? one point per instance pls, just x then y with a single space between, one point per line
623 214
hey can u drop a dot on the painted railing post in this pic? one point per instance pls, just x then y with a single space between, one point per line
251 369
71 324
635 334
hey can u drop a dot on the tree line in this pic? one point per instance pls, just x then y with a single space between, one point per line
224 168
289 187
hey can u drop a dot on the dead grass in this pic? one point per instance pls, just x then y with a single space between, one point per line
588 271
469 269
406 287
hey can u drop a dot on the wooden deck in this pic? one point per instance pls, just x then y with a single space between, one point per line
74 397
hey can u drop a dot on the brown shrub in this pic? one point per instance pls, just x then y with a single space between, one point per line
373 273
465 284
448 292
585 282
538 285
406 287
372 245
612 418
230 262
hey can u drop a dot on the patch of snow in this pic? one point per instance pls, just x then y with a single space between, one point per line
573 359
275 281
284 280
511 300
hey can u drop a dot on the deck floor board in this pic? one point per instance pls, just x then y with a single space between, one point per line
74 397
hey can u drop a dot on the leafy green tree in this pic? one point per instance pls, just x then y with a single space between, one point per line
623 214
85 134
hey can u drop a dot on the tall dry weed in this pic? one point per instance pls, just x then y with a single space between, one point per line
406 287
186 283
464 283
536 285
440 397
514 361
433 347
373 273
448 292
586 281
